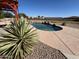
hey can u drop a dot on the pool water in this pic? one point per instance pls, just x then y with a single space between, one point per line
43 27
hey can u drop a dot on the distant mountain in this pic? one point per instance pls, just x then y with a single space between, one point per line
53 18
72 18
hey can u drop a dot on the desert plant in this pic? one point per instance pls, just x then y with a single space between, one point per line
19 40
22 14
63 24
1 14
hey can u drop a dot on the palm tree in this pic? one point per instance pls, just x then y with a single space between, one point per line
19 40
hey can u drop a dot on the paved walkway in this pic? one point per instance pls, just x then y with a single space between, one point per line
66 40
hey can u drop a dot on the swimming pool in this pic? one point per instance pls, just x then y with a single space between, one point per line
42 26
46 27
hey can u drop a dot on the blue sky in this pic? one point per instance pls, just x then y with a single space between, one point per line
50 8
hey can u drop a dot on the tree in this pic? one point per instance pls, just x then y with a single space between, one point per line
22 14
6 14
1 14
39 17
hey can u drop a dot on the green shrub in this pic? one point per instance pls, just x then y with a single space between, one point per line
19 40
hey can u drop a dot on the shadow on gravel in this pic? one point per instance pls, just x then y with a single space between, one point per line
2 26
47 27
43 51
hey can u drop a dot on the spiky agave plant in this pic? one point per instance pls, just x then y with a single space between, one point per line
19 41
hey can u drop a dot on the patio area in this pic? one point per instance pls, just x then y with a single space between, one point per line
66 40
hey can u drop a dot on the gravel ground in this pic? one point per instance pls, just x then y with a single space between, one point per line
42 51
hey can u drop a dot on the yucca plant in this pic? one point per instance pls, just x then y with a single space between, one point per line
19 40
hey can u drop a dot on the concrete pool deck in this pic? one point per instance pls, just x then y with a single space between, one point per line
66 40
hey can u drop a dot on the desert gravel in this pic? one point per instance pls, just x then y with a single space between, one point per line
42 51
